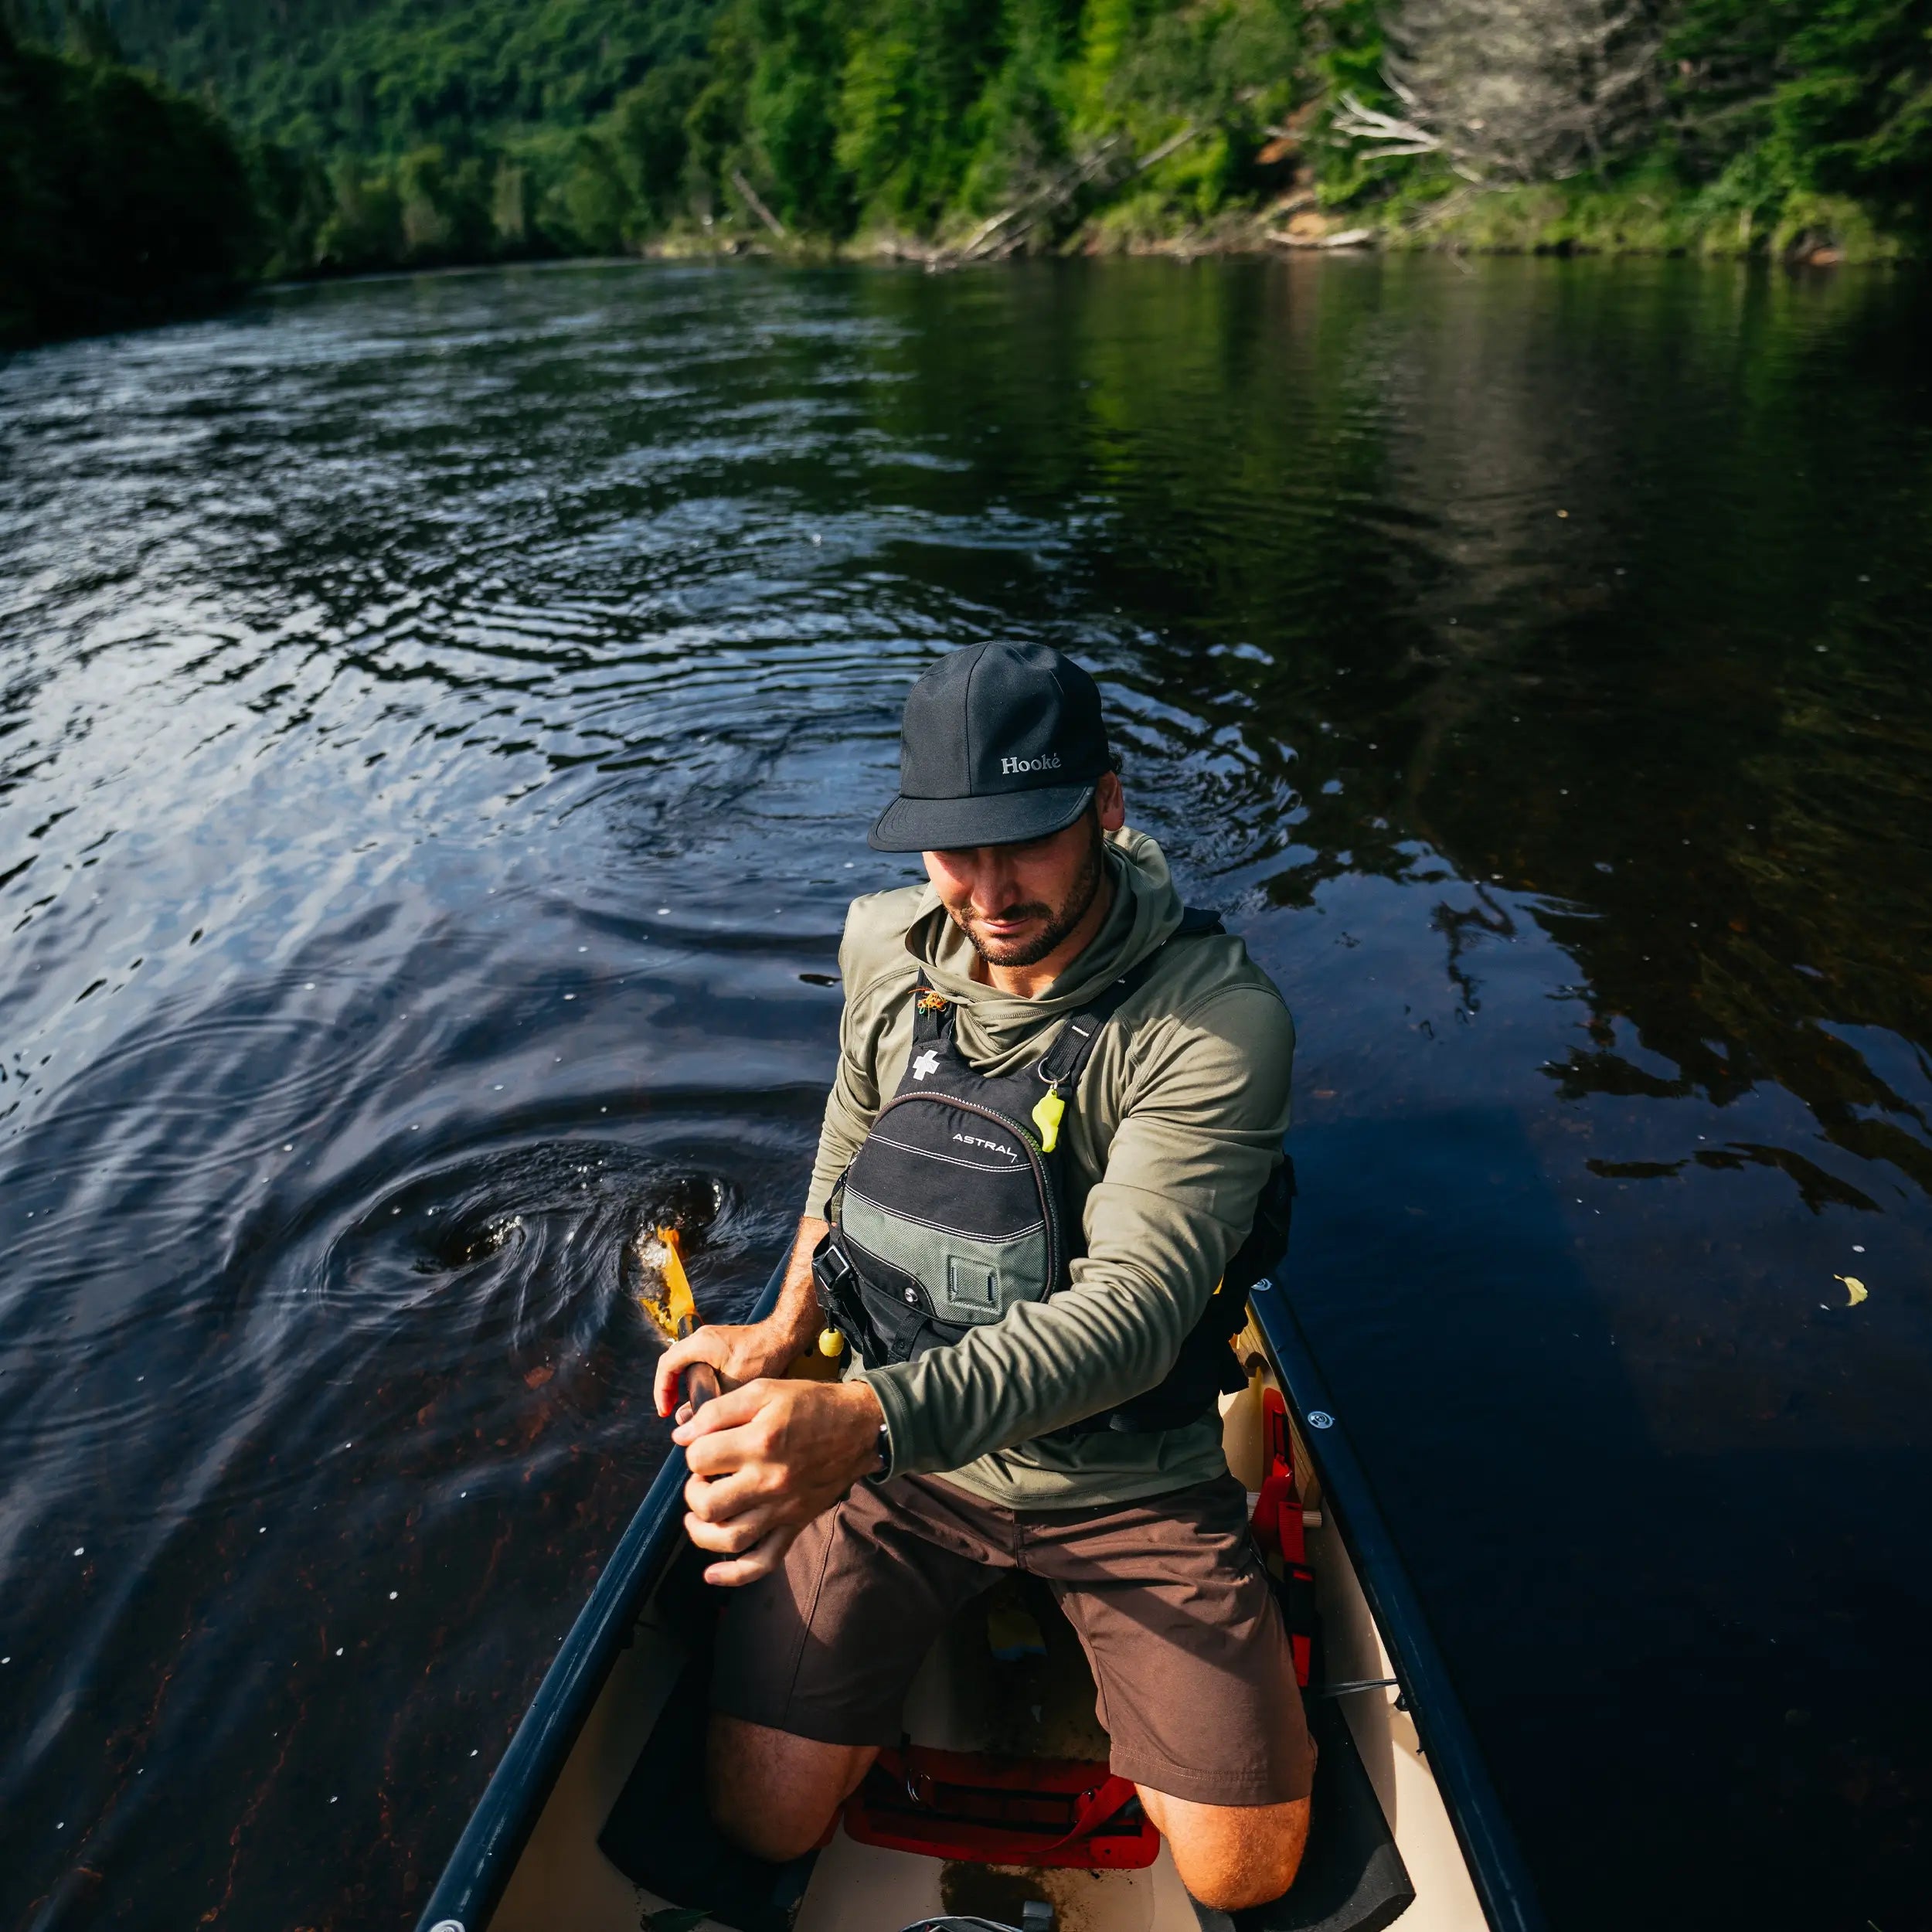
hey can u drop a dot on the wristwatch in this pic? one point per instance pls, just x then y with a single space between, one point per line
885 1455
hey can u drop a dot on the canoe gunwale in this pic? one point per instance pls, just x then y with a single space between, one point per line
479 1868
1490 1850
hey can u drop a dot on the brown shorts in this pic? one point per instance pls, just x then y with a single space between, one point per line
1169 1599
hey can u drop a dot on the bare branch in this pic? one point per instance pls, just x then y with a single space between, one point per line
756 206
1173 145
1002 234
1357 121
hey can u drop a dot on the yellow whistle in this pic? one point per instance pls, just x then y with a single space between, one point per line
830 1343
1046 1118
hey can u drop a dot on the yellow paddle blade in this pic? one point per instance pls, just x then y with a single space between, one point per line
671 1308
683 1309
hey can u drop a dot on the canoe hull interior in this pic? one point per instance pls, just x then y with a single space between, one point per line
628 1793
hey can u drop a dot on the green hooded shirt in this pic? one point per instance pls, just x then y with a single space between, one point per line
1177 1123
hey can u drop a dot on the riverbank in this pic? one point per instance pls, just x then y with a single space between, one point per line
1815 232
1649 218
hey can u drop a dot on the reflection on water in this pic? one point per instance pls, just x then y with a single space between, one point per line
439 722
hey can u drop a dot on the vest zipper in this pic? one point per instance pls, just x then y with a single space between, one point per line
1050 1207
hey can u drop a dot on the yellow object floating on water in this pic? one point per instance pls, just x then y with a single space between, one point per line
830 1343
1046 1118
1853 1286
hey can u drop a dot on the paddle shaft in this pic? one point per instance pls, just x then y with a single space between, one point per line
700 1380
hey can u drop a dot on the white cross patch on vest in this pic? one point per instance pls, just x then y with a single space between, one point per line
927 1062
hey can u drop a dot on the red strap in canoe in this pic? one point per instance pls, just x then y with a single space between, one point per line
997 1811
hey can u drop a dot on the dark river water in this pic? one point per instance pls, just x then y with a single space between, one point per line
439 723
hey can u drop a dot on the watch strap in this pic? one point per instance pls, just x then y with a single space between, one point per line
885 1445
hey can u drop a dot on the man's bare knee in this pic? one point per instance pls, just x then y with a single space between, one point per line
1231 1856
1260 1879
774 1793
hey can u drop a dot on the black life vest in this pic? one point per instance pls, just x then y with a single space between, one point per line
955 1209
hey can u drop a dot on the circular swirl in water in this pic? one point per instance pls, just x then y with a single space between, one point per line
531 1248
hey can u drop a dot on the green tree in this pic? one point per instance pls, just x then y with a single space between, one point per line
791 110
590 210
650 127
1831 96
364 229
91 35
1024 115
911 101
119 199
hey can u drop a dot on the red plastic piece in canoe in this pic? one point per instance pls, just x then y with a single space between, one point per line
999 1811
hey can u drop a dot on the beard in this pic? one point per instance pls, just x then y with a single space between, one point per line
1058 921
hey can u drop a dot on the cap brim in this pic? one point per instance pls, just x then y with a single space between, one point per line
1000 818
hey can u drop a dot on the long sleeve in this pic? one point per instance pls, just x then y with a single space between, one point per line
852 1104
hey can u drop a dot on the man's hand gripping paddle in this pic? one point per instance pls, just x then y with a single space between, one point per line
676 1314
768 1454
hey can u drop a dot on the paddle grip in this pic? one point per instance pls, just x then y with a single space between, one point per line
700 1381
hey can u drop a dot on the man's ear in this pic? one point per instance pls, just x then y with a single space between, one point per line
1110 801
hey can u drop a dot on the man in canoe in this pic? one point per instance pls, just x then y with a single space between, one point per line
1059 1110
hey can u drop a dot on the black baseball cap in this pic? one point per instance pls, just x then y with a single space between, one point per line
1002 743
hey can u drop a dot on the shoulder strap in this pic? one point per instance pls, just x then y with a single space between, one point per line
1063 1064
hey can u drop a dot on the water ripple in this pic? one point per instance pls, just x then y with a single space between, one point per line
438 723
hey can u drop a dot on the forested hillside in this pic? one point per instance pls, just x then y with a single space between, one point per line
383 76
119 201
382 133
520 125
